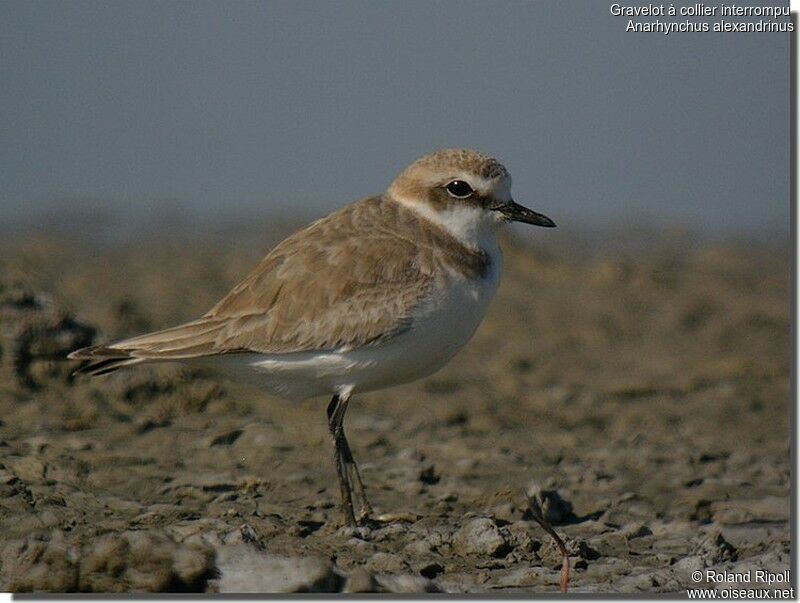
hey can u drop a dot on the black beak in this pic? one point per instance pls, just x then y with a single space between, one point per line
517 213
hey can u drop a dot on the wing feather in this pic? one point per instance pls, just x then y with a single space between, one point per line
348 280
342 282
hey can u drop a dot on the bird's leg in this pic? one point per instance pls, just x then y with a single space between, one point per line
336 410
365 509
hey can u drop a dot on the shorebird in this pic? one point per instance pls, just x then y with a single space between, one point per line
381 292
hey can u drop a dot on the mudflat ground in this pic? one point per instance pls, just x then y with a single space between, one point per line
644 391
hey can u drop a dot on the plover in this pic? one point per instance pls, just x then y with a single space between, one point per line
381 292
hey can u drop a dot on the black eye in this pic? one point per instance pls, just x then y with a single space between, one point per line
459 189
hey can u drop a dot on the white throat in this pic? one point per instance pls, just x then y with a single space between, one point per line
472 226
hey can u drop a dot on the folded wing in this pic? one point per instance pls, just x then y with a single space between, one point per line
349 280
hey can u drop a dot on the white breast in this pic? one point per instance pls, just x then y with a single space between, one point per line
437 333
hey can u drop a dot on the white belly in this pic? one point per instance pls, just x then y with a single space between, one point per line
437 333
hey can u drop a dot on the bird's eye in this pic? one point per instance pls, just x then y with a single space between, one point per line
459 189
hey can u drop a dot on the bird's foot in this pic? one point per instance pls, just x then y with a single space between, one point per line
367 523
365 513
400 517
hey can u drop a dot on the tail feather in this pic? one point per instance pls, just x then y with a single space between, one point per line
177 342
189 340
102 359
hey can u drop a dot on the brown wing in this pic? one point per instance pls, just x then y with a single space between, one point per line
348 280
343 282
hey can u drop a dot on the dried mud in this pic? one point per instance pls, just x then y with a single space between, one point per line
645 392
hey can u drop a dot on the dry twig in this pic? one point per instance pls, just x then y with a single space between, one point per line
538 507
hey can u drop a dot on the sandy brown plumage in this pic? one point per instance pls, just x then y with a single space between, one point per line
323 288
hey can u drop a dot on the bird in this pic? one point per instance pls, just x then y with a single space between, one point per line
383 291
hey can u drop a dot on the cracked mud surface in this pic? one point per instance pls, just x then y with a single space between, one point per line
646 392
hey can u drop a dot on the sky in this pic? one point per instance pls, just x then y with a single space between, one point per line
297 105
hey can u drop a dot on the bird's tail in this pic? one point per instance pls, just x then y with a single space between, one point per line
190 340
102 359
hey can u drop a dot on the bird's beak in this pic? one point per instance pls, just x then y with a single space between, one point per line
517 213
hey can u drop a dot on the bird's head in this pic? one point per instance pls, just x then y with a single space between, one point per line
462 189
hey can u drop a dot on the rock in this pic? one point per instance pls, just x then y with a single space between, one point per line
162 514
390 531
518 534
225 438
417 548
480 536
430 569
387 563
636 530
27 468
770 508
360 580
144 424
579 551
211 482
244 534
438 538
7 478
556 509
714 549
527 577
505 512
245 569
145 561
361 547
209 530
38 564
34 336
306 527
689 564
428 475
405 583
358 532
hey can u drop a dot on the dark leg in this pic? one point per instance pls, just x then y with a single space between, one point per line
336 410
364 508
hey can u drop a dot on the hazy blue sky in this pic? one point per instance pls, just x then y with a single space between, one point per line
251 105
